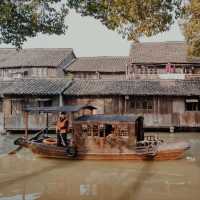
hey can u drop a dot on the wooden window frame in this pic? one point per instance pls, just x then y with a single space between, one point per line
192 106
142 104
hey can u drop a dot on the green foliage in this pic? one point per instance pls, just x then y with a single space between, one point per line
132 18
20 19
136 18
191 15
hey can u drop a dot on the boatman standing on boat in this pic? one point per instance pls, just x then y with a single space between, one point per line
62 129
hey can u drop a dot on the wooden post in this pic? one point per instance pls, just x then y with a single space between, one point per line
92 111
26 125
98 75
92 131
71 117
47 123
126 72
125 106
119 105
60 100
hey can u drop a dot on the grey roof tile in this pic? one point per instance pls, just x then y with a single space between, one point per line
36 87
4 85
161 52
100 64
134 87
33 57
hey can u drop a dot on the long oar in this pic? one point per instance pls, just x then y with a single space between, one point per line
20 147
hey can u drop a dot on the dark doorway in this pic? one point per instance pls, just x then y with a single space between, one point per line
139 129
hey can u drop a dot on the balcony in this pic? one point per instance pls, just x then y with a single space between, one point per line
164 76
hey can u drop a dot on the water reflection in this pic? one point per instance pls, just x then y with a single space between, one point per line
19 197
24 176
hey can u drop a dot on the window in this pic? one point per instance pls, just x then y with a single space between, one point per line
138 104
16 75
44 103
16 106
142 104
39 72
108 108
192 105
123 131
95 130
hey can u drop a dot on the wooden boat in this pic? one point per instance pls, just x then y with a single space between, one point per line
171 151
107 137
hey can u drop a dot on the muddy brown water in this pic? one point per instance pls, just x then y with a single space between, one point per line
26 177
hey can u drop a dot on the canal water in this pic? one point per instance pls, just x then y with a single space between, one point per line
25 177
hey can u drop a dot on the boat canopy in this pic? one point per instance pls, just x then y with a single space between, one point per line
108 118
56 109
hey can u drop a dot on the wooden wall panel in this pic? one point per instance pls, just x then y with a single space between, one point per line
165 105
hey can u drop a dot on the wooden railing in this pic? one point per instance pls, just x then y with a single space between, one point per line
179 76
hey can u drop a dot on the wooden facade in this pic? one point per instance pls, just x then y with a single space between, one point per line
136 84
145 61
34 63
13 113
134 71
33 72
158 111
158 71
138 71
96 75
163 104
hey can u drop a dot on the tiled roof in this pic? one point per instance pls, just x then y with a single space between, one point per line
100 87
161 52
134 87
35 87
33 57
4 85
100 64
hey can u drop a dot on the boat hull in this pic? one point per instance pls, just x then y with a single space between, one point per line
171 151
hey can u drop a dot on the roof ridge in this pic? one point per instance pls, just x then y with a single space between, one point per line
161 42
37 48
43 78
103 57
129 80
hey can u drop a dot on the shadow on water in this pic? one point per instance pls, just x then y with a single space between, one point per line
46 169
134 189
